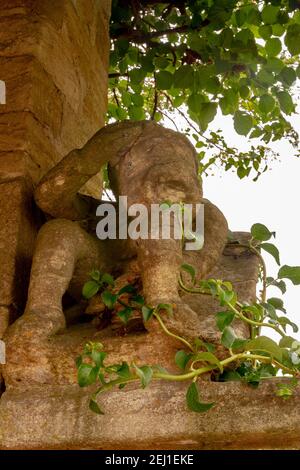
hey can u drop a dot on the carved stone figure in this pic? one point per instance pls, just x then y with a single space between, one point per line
147 163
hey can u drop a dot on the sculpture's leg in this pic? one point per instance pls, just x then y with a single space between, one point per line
160 262
60 247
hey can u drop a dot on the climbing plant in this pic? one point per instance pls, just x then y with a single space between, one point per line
194 58
250 359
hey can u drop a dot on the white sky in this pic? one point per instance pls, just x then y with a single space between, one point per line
273 200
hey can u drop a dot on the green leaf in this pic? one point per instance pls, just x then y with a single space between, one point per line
138 299
241 16
147 312
125 314
287 75
292 39
109 299
192 399
189 269
145 373
242 123
224 319
93 406
126 98
273 47
167 307
184 77
87 375
182 359
272 250
230 376
108 279
279 284
213 85
195 102
136 75
266 103
290 272
98 357
261 232
206 114
244 92
239 343
269 14
286 102
161 62
78 361
242 171
274 64
210 347
284 321
128 289
228 337
123 371
90 289
95 275
263 343
277 304
136 113
265 31
208 357
278 29
286 342
164 80
271 311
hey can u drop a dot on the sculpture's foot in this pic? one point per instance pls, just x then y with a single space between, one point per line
182 322
28 348
36 325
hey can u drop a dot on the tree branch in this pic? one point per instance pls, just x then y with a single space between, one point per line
140 37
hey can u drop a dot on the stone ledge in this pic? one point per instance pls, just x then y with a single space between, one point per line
57 417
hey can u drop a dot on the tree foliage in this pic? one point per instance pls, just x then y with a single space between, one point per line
198 57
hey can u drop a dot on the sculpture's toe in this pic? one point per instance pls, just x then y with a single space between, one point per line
36 325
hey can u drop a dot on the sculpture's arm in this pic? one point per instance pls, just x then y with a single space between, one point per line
56 194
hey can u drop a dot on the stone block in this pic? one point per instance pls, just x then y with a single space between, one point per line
16 240
57 417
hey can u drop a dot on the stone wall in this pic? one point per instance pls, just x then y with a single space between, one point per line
53 59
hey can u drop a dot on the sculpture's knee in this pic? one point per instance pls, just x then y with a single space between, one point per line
59 229
65 238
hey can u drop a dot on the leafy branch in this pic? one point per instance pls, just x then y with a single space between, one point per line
254 359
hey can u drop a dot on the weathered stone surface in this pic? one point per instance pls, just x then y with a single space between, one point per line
238 266
16 214
17 164
52 361
57 417
53 59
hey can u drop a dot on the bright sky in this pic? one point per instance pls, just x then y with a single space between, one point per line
273 200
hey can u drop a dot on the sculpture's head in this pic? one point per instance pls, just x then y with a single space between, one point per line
161 165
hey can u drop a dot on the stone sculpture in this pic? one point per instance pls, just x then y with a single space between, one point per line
149 164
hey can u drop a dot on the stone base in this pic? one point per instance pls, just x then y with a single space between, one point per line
57 417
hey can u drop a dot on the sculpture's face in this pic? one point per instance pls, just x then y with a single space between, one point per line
173 180
160 166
